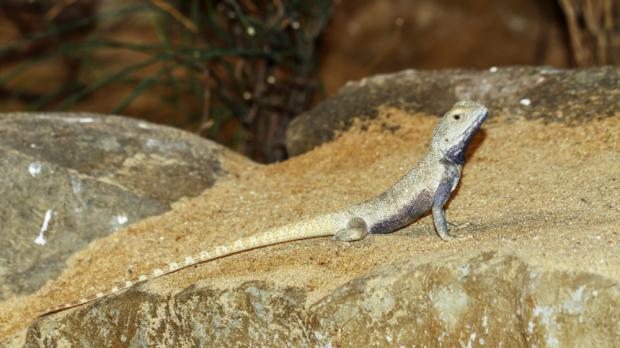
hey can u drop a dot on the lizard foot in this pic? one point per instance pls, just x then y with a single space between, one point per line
350 234
449 238
448 235
356 229
458 227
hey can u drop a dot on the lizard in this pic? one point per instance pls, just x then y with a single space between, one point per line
426 186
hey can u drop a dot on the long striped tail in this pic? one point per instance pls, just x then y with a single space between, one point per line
320 226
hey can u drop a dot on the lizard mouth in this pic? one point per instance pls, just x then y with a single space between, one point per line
469 133
484 116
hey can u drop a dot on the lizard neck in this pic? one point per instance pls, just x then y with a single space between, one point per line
437 156
453 157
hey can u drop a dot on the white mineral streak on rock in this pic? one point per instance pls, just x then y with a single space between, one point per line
46 220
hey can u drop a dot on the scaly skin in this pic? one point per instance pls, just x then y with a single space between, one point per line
427 186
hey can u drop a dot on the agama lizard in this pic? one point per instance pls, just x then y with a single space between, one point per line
427 186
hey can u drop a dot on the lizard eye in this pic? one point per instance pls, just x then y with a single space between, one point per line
457 117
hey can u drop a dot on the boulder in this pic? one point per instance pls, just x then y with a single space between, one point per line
532 92
67 179
487 300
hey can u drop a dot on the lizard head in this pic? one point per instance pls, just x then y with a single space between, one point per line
456 129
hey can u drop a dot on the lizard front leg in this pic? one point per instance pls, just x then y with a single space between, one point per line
439 216
439 219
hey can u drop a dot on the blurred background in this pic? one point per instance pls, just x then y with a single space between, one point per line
236 71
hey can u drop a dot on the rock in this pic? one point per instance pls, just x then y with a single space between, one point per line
66 179
486 300
533 92
219 318
489 300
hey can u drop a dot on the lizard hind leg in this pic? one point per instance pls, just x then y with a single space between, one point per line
356 229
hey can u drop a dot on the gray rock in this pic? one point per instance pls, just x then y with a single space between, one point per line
66 179
487 300
532 92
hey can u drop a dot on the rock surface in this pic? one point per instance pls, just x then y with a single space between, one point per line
488 300
66 179
546 93
542 268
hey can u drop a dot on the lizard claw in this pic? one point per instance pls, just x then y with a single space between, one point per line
449 238
458 227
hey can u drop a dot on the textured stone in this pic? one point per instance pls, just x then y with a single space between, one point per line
486 300
87 176
547 93
252 314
